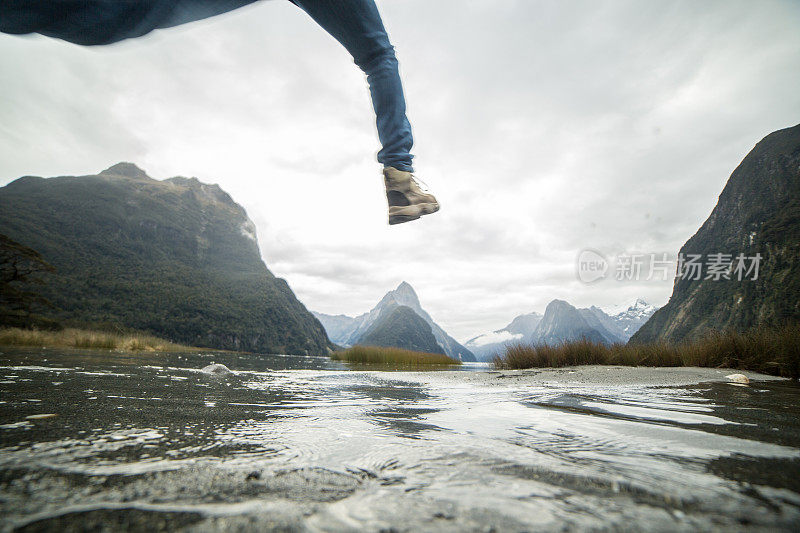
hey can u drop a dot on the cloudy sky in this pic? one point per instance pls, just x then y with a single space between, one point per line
544 128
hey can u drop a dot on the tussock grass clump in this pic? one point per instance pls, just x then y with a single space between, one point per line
391 356
80 338
769 351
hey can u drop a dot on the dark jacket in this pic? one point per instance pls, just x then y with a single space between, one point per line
95 22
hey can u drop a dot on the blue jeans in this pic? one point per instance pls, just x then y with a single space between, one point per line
356 24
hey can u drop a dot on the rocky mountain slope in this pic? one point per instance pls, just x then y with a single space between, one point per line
348 331
563 322
176 258
758 213
630 317
401 327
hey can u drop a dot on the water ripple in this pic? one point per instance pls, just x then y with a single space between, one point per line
295 443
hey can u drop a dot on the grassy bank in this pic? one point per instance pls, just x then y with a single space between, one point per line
769 351
391 356
81 338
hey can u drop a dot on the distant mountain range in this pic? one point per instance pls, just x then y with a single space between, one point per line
563 322
486 345
176 258
757 215
756 223
631 317
376 327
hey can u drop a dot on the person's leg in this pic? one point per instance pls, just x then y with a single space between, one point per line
357 25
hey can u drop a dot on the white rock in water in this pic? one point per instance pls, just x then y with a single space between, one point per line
739 378
216 369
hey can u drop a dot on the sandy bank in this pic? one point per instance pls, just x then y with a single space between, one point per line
589 375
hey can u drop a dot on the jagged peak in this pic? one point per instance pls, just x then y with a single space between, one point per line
211 191
405 294
129 170
190 182
520 318
639 304
405 287
559 304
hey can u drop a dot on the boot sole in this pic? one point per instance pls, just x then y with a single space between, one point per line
399 215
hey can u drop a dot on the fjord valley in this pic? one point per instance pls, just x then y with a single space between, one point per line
635 418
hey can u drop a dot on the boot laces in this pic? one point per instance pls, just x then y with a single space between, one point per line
421 185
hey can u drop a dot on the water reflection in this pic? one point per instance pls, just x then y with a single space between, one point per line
403 421
306 443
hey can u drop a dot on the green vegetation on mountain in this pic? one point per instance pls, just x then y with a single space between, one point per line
758 213
22 269
402 328
175 258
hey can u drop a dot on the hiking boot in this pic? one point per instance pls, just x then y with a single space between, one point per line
407 200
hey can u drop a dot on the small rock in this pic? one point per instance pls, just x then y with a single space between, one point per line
254 475
216 369
739 378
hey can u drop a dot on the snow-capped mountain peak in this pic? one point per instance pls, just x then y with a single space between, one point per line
639 307
630 317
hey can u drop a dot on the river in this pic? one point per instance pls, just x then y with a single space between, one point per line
147 442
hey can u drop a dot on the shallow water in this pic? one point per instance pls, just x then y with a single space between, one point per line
148 442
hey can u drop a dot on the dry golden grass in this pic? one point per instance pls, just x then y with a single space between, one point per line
80 338
769 351
391 356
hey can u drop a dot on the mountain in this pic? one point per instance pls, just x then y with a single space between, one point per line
758 212
487 345
401 327
524 325
336 326
348 331
176 258
629 319
604 324
564 323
